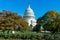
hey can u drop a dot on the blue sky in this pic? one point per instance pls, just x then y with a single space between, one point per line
40 7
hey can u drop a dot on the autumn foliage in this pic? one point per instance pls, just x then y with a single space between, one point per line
11 21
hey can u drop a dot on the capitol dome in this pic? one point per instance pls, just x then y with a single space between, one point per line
29 11
29 16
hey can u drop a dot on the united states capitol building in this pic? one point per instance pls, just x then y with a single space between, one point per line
29 16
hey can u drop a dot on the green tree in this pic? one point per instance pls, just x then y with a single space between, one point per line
50 22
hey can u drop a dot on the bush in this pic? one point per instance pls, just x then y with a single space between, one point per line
32 36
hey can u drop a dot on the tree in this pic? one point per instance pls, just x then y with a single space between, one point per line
11 21
50 21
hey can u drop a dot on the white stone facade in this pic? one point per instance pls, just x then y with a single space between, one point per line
29 16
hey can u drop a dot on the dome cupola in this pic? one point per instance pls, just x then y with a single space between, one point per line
29 11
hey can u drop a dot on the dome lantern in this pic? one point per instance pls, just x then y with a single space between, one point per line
29 5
